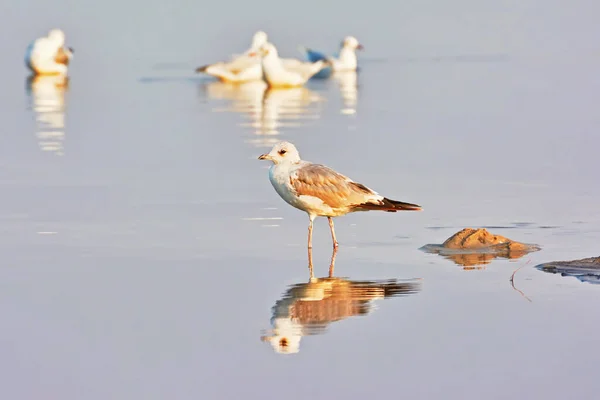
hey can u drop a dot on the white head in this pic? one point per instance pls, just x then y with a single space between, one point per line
351 42
57 37
258 40
282 152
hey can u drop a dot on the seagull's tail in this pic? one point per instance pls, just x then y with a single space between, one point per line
394 205
390 205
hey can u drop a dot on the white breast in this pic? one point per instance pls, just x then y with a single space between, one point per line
279 175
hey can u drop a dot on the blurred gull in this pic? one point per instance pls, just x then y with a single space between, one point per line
320 191
345 60
242 68
292 73
48 56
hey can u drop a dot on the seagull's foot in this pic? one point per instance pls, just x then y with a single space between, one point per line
336 245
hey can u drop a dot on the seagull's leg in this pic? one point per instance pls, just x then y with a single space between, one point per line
310 265
310 227
335 242
332 265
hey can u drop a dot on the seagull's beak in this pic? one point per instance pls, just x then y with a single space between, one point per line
252 54
71 50
360 47
264 157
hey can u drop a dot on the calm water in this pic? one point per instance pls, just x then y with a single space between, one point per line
145 254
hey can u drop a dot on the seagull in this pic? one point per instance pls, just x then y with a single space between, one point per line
344 61
242 68
288 73
48 56
320 191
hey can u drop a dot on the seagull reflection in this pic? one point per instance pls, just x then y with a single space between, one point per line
267 110
308 308
47 96
348 84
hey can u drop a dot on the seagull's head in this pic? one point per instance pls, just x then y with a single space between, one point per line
284 344
258 40
57 37
285 337
282 152
352 43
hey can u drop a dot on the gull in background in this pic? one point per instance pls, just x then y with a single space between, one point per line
320 191
48 55
345 60
242 68
292 73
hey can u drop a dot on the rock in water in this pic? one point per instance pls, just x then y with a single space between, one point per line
586 269
471 247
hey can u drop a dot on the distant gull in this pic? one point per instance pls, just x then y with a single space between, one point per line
345 60
48 56
242 68
320 191
291 73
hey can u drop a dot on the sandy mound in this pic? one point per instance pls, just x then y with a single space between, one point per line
471 247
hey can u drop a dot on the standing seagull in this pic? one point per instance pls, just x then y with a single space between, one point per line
48 55
320 191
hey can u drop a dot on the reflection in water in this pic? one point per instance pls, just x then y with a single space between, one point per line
268 110
473 259
47 96
348 83
308 308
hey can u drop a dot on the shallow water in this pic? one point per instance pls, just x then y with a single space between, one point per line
144 248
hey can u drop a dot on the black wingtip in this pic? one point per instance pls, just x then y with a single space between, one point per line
202 68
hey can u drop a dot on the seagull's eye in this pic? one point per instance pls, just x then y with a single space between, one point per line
282 152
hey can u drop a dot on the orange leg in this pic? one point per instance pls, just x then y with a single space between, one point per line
335 242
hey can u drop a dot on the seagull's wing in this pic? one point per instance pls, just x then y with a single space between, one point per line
292 63
241 63
333 188
340 192
223 72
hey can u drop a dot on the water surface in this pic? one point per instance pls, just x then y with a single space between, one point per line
144 248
